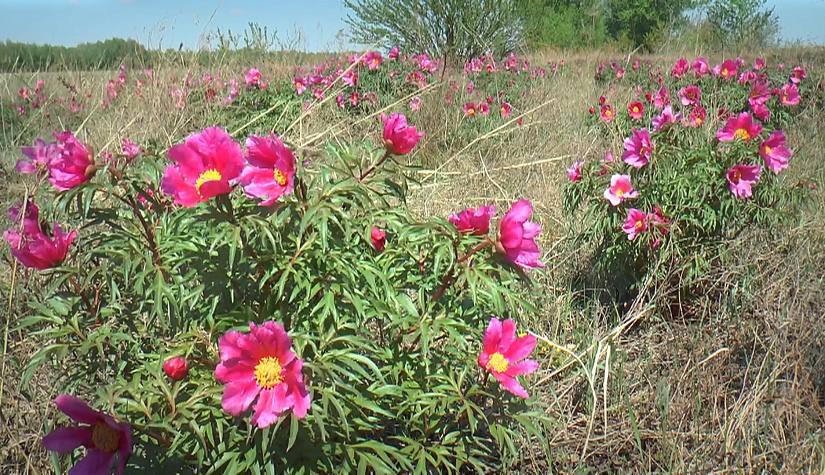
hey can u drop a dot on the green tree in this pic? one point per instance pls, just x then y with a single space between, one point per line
742 22
564 23
452 29
645 22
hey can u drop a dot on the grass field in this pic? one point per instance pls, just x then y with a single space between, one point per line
734 381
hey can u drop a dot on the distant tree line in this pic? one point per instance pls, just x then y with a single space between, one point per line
108 54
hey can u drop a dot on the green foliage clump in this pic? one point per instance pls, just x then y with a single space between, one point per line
739 23
389 338
452 29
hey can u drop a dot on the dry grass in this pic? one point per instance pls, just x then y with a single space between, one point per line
736 383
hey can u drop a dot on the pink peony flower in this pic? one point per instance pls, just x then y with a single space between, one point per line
680 68
176 368
399 137
393 54
415 104
775 153
727 70
72 163
700 67
620 189
33 247
473 220
638 148
789 95
636 110
253 78
574 173
760 94
299 84
261 365
104 438
378 238
483 109
741 178
690 95
758 64
661 121
130 149
470 109
607 113
662 98
635 223
503 355
697 117
373 60
739 127
761 112
797 75
517 236
37 158
505 109
270 169
205 165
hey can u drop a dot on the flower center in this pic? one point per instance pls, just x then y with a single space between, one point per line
268 372
742 134
207 176
280 178
725 72
498 363
635 110
105 438
619 192
767 149
736 176
639 225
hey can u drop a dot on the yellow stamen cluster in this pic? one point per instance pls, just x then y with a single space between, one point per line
280 178
268 372
742 134
207 176
497 363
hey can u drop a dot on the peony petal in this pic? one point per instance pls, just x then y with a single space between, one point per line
270 406
77 409
522 367
95 462
65 439
521 348
492 336
238 396
511 385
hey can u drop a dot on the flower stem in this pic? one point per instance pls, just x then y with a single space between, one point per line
372 168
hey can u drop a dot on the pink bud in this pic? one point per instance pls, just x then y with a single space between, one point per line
176 368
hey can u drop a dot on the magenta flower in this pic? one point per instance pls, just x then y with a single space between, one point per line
399 137
474 221
635 223
789 95
503 355
680 68
636 110
797 75
741 127
252 78
700 66
607 113
697 117
104 438
470 109
261 365
574 173
775 153
690 95
71 164
741 179
393 54
761 112
517 236
270 169
662 98
661 121
176 368
760 94
727 70
373 60
378 238
33 247
299 84
505 109
37 158
638 148
758 64
205 165
620 189
130 149
415 104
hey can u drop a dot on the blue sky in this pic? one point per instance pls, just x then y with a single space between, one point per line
171 22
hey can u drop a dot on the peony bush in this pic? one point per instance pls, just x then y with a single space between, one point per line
695 158
234 307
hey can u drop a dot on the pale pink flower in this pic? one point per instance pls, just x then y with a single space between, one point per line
620 189
741 179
